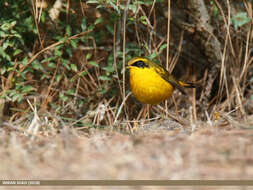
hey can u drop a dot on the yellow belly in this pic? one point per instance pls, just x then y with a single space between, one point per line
148 86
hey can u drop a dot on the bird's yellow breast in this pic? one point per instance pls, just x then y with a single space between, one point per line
148 86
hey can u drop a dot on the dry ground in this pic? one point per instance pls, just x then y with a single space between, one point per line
219 152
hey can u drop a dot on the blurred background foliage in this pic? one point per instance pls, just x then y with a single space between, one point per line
70 56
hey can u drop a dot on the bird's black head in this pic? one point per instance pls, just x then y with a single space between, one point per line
139 63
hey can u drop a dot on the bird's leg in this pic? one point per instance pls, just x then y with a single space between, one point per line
147 112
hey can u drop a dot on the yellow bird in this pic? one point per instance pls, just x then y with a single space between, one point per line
152 83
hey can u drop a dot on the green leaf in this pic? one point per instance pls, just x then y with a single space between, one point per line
240 19
102 90
18 97
88 56
143 20
51 58
36 65
25 61
109 69
27 88
3 70
91 27
16 34
17 51
93 63
83 73
70 92
99 20
132 7
74 43
152 56
104 78
110 29
4 55
214 9
51 65
68 30
7 26
43 17
58 77
146 2
92 1
84 24
69 51
65 63
57 52
6 44
162 47
115 7
3 34
73 67
63 97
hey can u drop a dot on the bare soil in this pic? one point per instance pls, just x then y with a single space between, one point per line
222 152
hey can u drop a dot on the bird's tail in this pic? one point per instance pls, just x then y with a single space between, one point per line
188 84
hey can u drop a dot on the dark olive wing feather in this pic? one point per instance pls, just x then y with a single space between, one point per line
169 78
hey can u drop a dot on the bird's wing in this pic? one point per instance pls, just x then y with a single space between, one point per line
169 78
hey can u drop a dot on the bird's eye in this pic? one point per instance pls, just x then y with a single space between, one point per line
140 64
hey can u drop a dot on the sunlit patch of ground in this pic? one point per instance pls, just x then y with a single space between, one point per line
207 153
